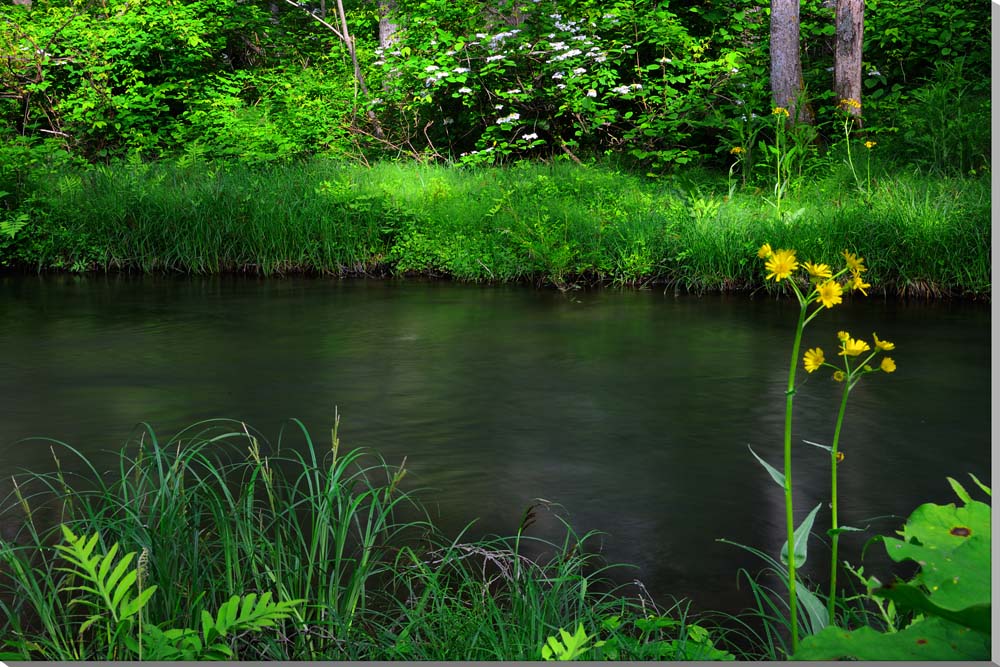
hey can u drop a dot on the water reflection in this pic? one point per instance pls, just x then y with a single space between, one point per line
633 410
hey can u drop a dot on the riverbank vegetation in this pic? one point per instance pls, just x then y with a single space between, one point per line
217 545
558 224
558 143
127 564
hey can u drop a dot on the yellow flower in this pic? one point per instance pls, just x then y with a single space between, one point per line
813 359
840 456
871 144
883 344
842 336
818 270
853 347
781 264
780 110
829 293
839 376
888 365
851 103
765 251
858 284
854 263
736 150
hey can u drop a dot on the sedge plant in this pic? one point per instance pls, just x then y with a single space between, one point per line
823 290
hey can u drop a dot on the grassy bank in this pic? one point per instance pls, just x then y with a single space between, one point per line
217 512
555 224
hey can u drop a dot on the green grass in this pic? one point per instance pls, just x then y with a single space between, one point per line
216 512
549 224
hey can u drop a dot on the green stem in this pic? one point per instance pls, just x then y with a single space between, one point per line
833 502
847 136
777 144
789 515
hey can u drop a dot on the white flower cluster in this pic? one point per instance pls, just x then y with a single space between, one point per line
629 88
508 119
530 137
501 36
564 56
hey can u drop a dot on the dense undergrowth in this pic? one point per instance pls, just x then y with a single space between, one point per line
351 565
558 224
217 545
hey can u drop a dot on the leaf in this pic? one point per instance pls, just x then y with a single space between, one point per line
982 486
109 558
909 597
775 475
801 537
959 490
121 588
571 646
816 444
815 611
930 639
956 578
844 529
131 607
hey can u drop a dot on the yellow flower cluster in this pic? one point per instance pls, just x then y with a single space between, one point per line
781 263
871 144
851 103
851 347
736 150
780 110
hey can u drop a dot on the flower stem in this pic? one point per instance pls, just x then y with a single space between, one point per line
835 538
789 515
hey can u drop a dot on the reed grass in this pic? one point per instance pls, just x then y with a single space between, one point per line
219 512
555 224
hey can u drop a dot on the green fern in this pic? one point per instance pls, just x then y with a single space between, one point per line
112 585
114 599
571 647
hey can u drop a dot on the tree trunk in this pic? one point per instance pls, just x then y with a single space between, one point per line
386 28
847 53
26 3
786 65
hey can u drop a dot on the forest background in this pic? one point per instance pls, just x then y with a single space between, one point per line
638 90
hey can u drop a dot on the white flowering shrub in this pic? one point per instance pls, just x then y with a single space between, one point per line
473 83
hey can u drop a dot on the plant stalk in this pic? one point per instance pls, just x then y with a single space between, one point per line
835 538
789 515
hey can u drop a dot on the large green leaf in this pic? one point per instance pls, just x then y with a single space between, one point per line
929 639
940 525
910 597
952 547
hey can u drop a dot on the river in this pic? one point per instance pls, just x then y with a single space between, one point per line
630 409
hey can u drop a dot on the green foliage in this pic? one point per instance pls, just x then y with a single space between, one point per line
950 593
659 638
466 84
115 600
656 86
218 512
240 614
567 646
560 224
